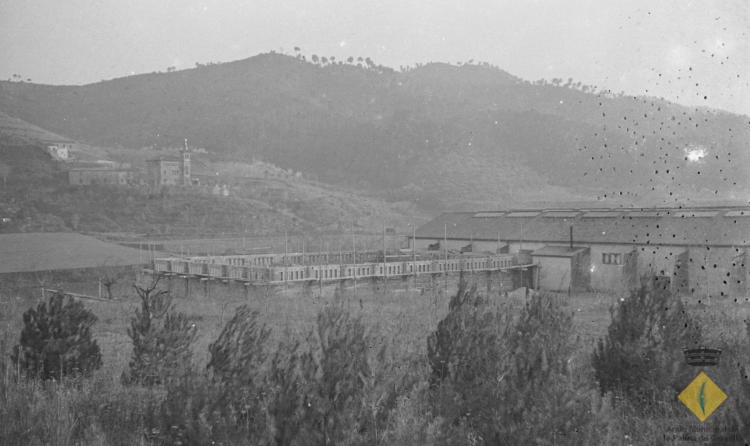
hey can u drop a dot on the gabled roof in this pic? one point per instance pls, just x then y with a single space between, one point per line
664 226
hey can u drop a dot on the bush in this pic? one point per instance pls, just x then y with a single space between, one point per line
196 411
503 380
341 367
734 377
238 357
56 340
641 357
161 339
239 352
469 340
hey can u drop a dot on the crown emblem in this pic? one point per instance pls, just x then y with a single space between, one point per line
702 356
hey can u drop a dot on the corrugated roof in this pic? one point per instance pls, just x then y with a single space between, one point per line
524 214
561 214
637 227
745 213
602 214
488 214
28 252
558 251
684 214
645 213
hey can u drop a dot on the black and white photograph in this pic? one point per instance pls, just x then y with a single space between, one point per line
374 223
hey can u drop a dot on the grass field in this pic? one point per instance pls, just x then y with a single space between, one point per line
399 312
404 317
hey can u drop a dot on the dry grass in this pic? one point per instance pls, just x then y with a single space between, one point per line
399 310
405 315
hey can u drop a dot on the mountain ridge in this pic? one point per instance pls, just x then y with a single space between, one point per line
374 127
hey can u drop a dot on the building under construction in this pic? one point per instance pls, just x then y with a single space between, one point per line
328 267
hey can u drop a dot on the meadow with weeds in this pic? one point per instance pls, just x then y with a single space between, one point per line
392 367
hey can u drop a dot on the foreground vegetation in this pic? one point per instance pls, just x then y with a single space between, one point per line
488 371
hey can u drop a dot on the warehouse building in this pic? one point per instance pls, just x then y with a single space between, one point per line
698 251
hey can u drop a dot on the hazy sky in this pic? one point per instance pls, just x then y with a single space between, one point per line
661 48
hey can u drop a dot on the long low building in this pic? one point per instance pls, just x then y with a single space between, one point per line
699 251
291 268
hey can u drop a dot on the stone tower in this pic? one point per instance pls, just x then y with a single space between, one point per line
186 173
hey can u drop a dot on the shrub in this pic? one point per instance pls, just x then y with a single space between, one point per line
502 380
237 362
161 339
337 389
286 387
56 340
37 412
341 367
735 380
239 352
469 340
641 355
194 412
225 405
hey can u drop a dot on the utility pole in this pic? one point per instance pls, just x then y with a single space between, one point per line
286 253
385 270
445 250
354 254
414 253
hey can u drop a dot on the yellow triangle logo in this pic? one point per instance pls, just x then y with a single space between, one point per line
702 396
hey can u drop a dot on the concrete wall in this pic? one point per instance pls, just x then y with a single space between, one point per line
554 273
609 277
581 267
718 272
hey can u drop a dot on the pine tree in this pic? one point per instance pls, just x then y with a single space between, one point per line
238 358
56 340
499 379
161 339
642 354
343 367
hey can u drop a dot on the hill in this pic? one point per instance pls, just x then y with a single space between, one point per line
35 197
412 133
18 131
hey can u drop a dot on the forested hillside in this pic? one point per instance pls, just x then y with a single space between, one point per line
411 132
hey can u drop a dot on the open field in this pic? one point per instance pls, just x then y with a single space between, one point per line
407 314
404 316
